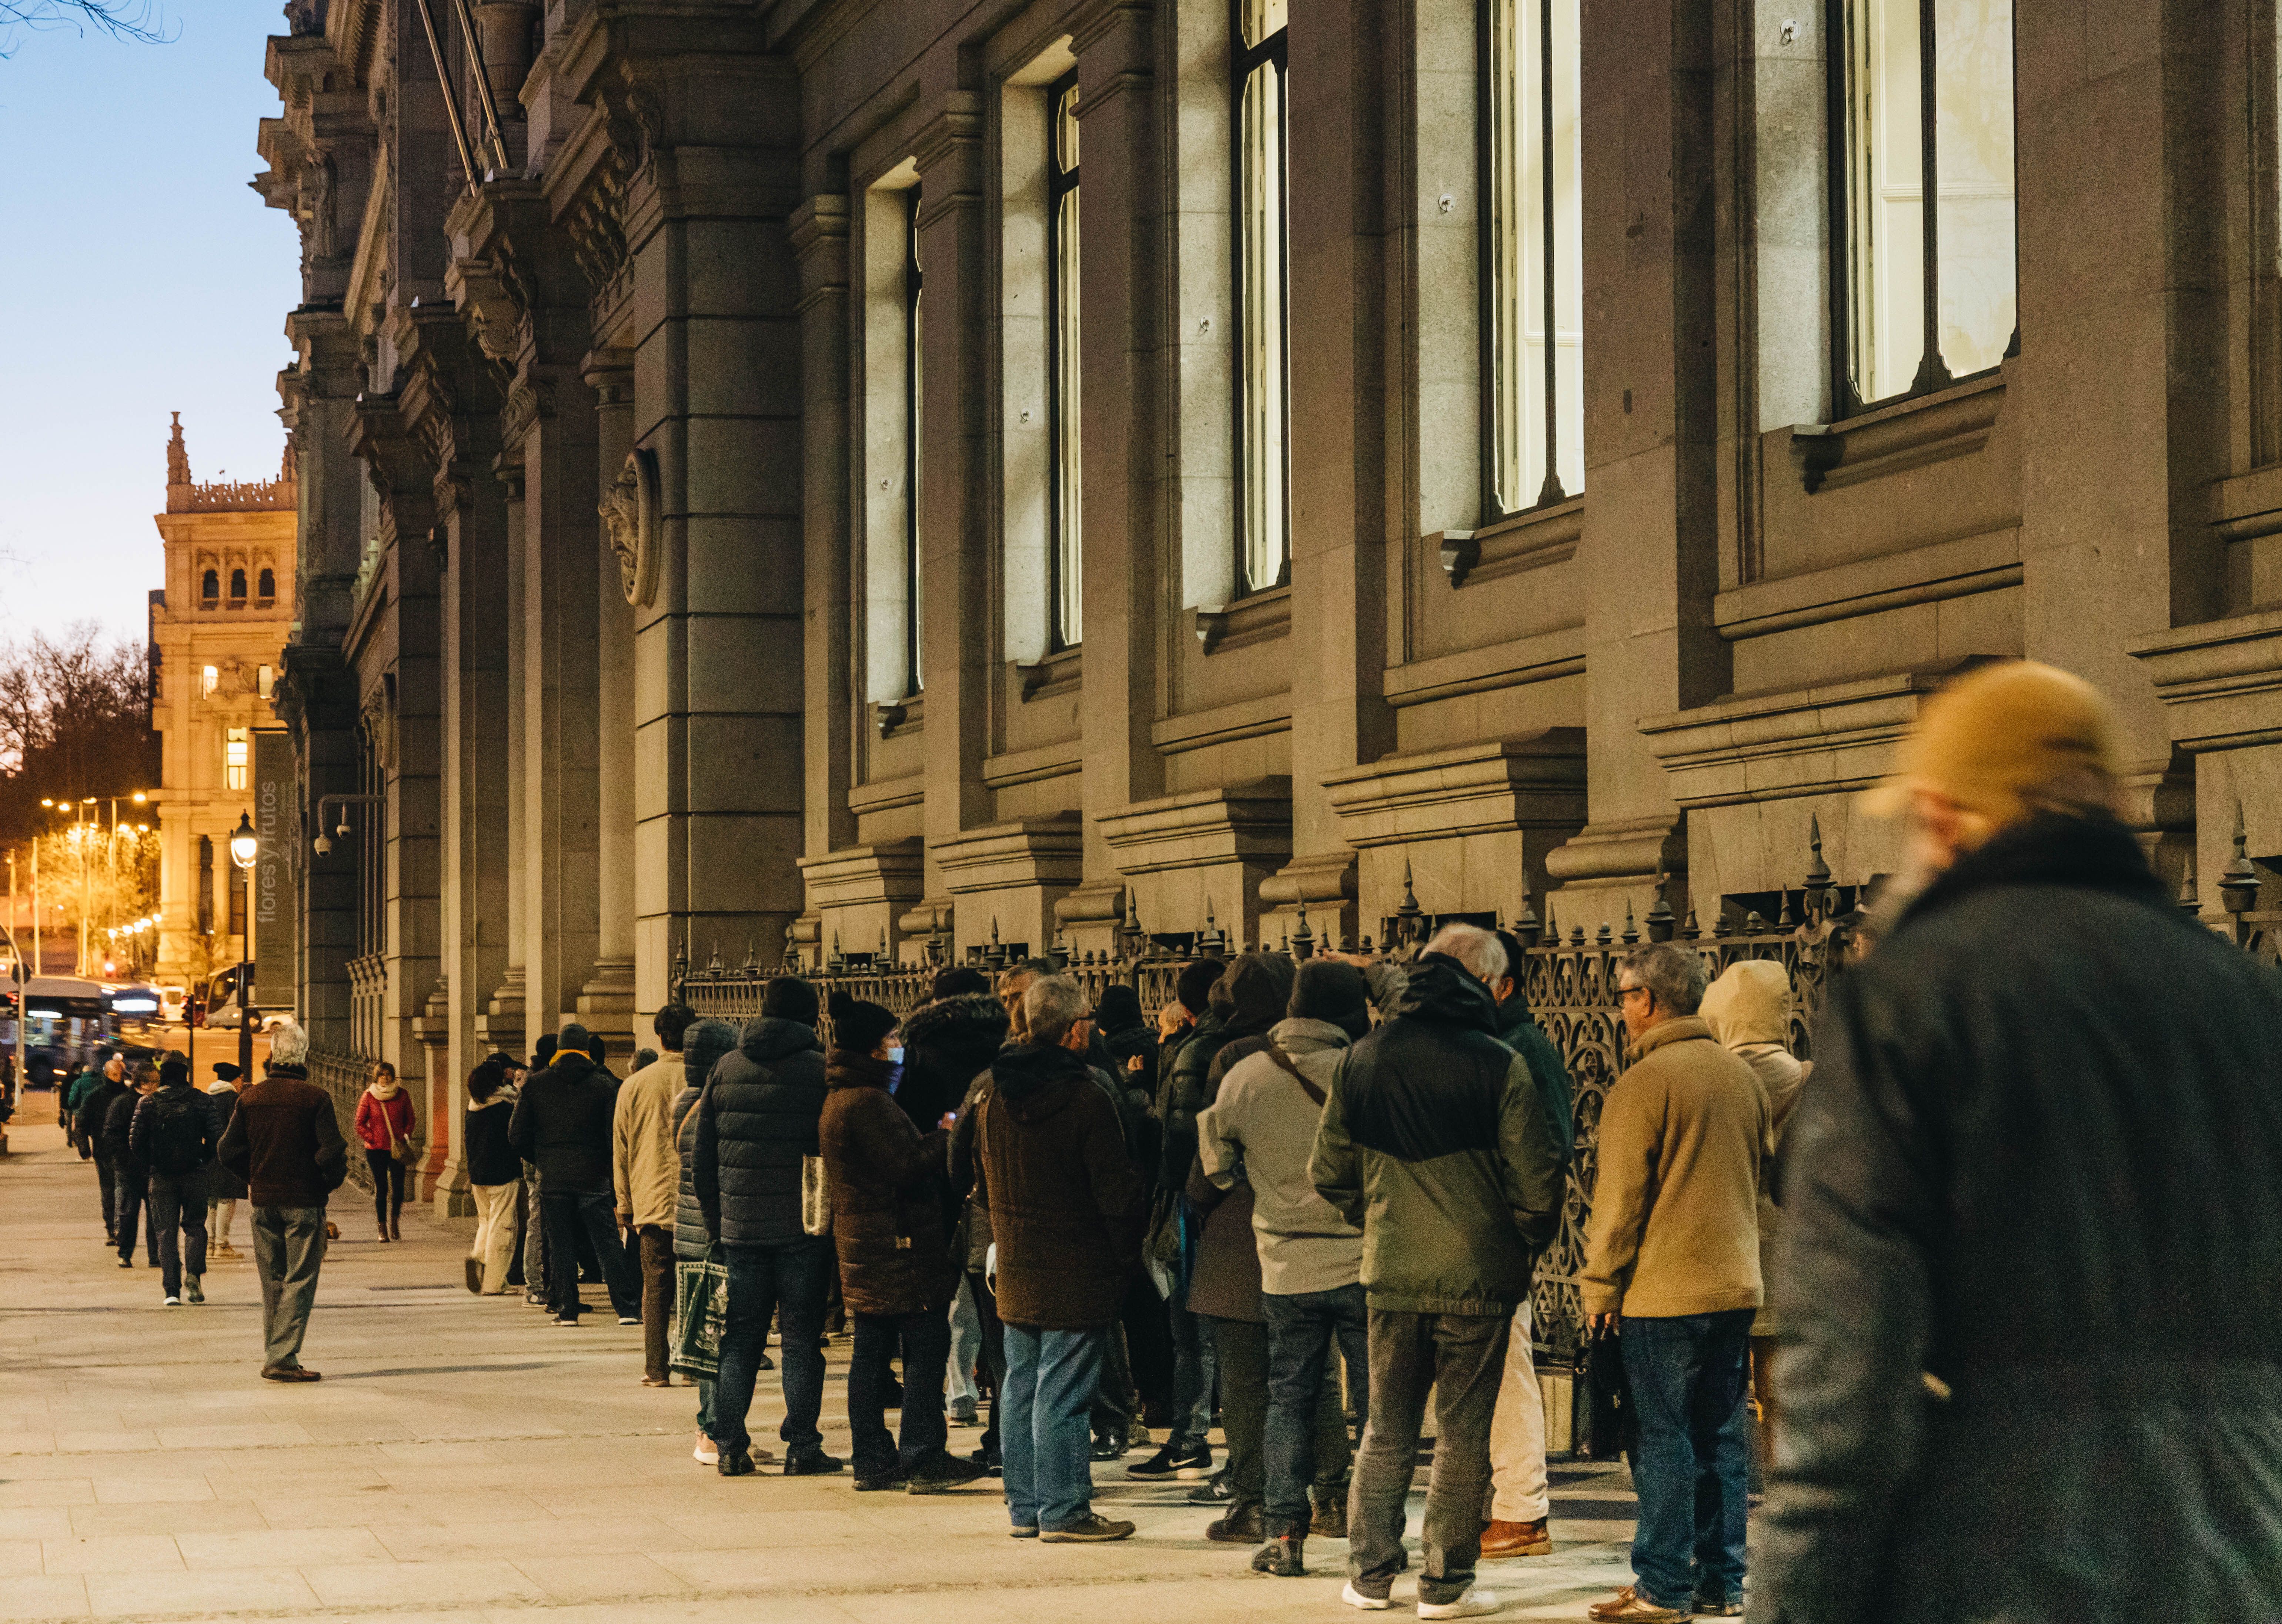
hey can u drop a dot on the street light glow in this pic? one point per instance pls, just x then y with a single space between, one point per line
245 845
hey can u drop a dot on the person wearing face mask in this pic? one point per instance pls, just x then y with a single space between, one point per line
897 1276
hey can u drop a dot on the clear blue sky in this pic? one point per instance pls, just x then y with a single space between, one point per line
141 277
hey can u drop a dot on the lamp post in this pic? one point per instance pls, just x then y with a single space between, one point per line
244 847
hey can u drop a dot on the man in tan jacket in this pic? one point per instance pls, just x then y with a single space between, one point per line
646 1170
1671 1264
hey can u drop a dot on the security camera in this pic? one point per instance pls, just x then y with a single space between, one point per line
324 845
343 830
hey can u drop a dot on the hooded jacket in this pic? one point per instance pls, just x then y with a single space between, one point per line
645 1166
1680 1160
2041 1161
562 1125
1748 1009
1263 1124
702 1046
1435 1144
945 1043
187 1105
1064 1205
756 1120
886 1181
491 1159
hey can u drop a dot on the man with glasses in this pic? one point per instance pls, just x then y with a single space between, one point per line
1672 1268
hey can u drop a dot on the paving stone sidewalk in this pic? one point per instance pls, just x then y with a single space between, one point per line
463 1459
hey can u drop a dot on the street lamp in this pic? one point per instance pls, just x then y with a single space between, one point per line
244 847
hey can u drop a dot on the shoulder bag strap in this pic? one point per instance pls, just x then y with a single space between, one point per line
1298 1076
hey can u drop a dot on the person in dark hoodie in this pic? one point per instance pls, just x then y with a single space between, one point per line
561 1122
702 1045
1435 1143
494 1172
756 1122
173 1135
1050 1164
896 1273
95 1102
131 1174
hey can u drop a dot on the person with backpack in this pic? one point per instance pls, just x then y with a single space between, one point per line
130 1175
173 1133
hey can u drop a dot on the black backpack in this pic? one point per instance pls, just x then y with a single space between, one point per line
178 1132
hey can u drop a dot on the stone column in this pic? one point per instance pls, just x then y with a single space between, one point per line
956 657
606 1003
499 1022
1340 718
1120 342
1650 540
820 241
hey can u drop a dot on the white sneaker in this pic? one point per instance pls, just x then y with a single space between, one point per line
705 1454
1472 1604
1368 1604
174 1303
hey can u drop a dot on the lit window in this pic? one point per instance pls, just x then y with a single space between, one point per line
265 682
1535 223
1263 406
235 754
1065 513
212 680
914 579
1927 275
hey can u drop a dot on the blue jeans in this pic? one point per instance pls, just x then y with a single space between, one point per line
1045 1437
1301 1330
1687 1377
595 1213
788 1280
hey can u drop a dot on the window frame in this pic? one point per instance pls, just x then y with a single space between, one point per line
1933 374
1061 469
1244 61
913 380
1550 492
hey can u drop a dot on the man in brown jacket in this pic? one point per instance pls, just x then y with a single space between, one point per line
1067 1212
1671 1264
646 1171
285 1142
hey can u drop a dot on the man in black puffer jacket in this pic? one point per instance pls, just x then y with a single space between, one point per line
561 1122
756 1123
2030 1364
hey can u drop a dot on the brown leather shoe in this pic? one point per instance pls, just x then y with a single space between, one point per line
1629 1606
289 1372
1240 1526
1516 1539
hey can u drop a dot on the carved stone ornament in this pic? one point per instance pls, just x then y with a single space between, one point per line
630 510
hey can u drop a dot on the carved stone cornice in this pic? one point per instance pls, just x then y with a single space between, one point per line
948 153
1120 30
820 245
530 400
610 372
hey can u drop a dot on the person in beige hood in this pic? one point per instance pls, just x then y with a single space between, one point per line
1749 1010
1671 1264
646 1170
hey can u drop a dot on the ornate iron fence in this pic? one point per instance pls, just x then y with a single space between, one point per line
343 1077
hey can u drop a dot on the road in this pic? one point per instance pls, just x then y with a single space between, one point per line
464 1460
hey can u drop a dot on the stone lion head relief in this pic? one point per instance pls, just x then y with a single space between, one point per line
630 521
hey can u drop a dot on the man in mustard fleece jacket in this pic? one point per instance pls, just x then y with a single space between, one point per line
1671 1264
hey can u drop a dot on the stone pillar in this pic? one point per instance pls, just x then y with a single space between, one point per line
956 657
1650 543
820 241
1120 342
1338 649
606 1003
500 1021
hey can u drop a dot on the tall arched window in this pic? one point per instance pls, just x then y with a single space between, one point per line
210 585
1064 511
238 586
265 584
1924 291
1262 287
1535 255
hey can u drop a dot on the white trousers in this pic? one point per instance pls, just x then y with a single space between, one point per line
494 1243
1517 1485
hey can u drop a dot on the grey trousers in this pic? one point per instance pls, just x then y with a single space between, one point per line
1461 1358
288 1247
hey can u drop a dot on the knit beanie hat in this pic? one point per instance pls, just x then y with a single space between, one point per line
958 983
173 1074
1195 982
857 1025
1118 1010
2001 739
788 998
1326 990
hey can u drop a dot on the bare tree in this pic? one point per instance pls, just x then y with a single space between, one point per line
124 19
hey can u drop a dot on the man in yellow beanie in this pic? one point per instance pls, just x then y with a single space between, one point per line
2031 1316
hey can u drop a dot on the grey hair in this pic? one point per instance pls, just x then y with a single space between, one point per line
1050 1006
289 1044
1674 977
1474 947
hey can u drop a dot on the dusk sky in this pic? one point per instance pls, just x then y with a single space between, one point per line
141 277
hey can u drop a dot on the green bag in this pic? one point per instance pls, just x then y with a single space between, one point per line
700 1312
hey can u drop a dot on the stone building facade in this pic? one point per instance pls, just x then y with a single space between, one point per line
217 631
850 475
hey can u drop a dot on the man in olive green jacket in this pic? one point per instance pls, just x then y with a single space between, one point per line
1435 1143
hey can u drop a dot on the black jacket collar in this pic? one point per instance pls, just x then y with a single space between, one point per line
2092 854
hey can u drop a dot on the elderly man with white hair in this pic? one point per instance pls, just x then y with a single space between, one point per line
286 1143
1434 1142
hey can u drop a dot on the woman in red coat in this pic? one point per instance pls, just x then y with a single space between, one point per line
385 1119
